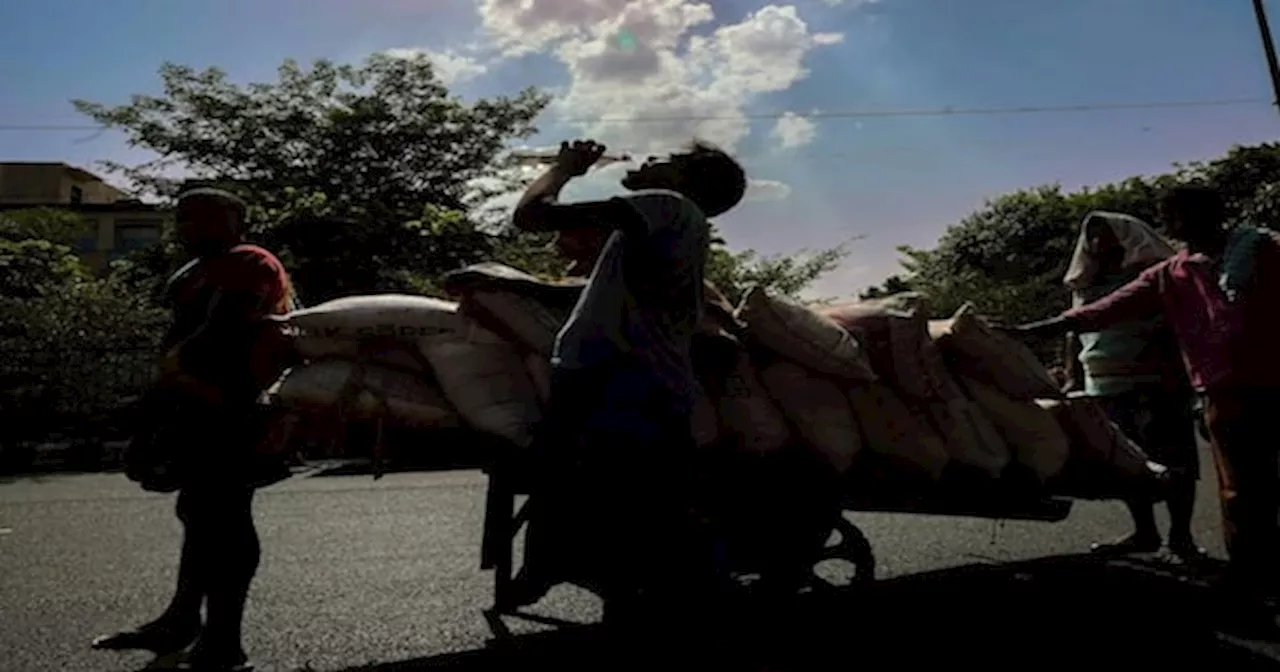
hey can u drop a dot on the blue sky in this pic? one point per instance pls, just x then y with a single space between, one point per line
821 180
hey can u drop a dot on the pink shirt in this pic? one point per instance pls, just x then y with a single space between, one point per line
1224 344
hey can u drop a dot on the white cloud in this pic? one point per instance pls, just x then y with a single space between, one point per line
767 190
451 67
793 130
640 80
852 3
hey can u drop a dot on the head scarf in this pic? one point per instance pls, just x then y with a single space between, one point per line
1143 247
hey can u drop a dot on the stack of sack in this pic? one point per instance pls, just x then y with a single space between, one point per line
870 387
414 360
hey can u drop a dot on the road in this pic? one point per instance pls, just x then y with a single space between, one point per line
362 573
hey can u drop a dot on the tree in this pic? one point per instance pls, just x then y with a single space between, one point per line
1009 257
380 156
785 274
74 344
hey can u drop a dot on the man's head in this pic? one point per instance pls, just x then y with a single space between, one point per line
210 220
1105 245
703 173
1195 215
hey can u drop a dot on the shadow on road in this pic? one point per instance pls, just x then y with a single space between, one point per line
1067 610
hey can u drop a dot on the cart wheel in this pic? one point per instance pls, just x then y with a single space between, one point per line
852 547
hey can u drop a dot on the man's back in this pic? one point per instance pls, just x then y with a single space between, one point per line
637 316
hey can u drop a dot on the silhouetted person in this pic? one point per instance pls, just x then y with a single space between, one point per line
1219 295
222 351
611 511
1134 370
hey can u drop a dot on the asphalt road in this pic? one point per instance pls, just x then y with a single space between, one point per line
362 573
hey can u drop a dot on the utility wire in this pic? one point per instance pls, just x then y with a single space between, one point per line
818 114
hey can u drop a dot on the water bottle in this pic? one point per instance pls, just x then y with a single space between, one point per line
545 156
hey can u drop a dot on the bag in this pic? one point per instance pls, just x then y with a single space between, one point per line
383 352
804 337
748 413
485 378
819 411
969 436
529 310
336 328
892 430
182 440
895 336
366 391
1032 434
976 351
1104 463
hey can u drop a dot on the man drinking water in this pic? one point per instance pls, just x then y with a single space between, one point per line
617 440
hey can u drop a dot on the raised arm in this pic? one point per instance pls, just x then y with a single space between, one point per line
540 210
1137 300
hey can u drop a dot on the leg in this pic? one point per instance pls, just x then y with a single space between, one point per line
230 564
1127 411
1246 458
1171 434
179 624
1181 502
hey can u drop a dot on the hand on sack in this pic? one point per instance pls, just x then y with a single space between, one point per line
576 158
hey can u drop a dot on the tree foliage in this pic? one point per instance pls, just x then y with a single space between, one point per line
1009 257
380 150
74 344
784 274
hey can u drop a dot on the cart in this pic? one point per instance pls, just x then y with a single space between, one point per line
845 542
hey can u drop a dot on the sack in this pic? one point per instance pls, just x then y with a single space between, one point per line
748 413
335 327
976 351
516 304
1103 463
819 411
969 436
804 337
383 352
539 369
891 429
1032 434
895 335
182 440
365 392
484 377
718 313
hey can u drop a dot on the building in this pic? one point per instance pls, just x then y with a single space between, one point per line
116 223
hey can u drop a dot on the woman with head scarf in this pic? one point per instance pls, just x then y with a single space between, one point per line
1134 370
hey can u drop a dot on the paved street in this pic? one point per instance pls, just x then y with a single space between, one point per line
358 573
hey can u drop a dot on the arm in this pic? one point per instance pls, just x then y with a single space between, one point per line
1137 300
540 210
1071 363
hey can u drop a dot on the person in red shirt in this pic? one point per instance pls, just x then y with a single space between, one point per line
222 350
1219 294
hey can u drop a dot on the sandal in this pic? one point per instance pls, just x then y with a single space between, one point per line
1187 550
208 660
156 637
1131 544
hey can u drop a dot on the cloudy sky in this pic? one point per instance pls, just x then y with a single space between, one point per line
806 92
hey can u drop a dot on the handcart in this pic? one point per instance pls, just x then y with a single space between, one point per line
504 520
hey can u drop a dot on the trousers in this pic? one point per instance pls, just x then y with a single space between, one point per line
1245 453
220 555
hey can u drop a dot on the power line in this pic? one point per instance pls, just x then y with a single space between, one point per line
818 114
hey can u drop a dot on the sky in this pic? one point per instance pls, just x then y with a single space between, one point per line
802 91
